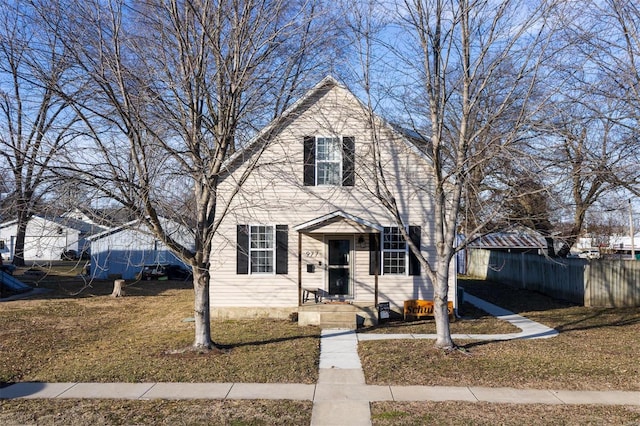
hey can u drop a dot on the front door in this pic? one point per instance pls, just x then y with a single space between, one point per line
339 266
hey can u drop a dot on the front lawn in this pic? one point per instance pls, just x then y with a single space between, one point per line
66 336
597 349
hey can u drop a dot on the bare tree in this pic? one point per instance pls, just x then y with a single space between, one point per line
469 73
585 152
35 121
586 136
177 86
619 62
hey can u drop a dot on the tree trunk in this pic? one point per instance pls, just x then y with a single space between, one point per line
202 313
117 288
551 250
440 301
21 232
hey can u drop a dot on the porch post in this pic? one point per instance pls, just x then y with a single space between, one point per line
299 268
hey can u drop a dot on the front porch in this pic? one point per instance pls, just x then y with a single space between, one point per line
335 314
337 268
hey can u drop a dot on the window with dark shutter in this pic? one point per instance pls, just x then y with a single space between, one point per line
282 249
242 249
309 161
397 257
329 161
374 254
262 249
414 264
348 161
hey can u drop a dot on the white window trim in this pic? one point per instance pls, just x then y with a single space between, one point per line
339 161
383 251
272 250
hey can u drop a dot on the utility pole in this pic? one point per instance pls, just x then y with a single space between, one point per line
633 249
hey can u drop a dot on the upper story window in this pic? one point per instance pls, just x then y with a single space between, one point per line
329 160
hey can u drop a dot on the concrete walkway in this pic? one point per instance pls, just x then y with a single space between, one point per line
528 329
341 396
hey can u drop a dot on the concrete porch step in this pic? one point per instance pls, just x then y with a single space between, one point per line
341 319
342 325
337 315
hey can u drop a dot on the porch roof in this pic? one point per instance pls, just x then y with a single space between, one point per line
338 222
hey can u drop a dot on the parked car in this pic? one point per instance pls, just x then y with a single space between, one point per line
73 255
589 254
69 255
178 272
161 271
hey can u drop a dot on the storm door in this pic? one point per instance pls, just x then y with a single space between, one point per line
339 266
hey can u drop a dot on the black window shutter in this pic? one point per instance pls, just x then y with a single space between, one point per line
374 253
309 161
348 160
282 249
414 264
242 250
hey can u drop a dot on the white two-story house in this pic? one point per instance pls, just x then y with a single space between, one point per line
308 221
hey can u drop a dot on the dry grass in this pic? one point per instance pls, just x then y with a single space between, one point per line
596 350
461 413
92 337
260 412
88 336
155 412
78 333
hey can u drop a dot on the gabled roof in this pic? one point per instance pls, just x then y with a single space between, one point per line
339 214
80 225
324 84
506 240
411 138
66 222
132 225
8 223
112 231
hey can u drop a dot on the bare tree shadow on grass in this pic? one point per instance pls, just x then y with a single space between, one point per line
512 298
63 287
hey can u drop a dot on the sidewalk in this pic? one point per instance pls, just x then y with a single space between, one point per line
321 392
341 395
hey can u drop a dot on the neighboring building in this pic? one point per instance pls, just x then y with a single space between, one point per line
612 246
511 242
123 251
622 245
307 218
519 241
47 237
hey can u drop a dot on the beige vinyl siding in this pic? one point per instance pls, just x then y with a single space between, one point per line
363 282
274 194
313 253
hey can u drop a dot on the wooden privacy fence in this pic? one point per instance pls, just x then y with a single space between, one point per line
587 282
